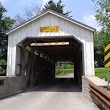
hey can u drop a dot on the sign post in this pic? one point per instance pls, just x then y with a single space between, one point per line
108 77
107 62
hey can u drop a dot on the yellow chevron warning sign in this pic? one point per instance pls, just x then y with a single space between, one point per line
107 56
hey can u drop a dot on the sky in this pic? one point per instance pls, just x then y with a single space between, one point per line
81 10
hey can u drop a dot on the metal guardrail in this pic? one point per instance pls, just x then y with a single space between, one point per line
100 96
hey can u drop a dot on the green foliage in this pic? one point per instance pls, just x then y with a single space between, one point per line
5 24
58 7
103 16
100 41
2 67
2 10
103 37
66 66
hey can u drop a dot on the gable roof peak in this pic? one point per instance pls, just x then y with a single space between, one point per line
54 13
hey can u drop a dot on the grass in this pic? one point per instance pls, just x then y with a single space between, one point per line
66 71
101 72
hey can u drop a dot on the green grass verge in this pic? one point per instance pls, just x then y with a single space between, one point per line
101 72
66 71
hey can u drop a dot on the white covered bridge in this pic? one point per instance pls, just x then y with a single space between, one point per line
33 48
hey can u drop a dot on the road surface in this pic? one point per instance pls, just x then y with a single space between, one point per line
61 94
69 75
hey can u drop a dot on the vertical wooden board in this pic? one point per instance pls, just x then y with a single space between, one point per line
16 37
51 20
71 29
81 32
13 61
47 20
88 55
83 58
13 54
9 56
68 28
92 54
35 29
29 30
52 23
21 34
75 33
33 26
62 26
18 55
44 22
18 61
56 22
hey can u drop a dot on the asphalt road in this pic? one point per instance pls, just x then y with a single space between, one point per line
70 75
61 94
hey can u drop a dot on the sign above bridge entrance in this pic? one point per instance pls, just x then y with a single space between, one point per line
49 29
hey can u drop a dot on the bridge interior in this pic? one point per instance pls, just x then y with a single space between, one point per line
38 62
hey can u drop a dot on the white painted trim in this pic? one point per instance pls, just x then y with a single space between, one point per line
72 21
26 23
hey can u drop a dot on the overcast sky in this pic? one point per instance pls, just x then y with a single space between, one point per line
82 10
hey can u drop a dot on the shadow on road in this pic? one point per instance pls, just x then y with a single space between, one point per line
57 85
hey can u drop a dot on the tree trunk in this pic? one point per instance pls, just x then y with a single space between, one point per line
58 67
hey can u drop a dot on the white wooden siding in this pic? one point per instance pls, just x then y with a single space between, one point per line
67 28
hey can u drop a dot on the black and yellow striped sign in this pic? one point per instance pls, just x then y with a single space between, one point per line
107 56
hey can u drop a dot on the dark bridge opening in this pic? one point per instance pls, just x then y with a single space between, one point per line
37 63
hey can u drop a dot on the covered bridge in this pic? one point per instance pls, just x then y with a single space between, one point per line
36 45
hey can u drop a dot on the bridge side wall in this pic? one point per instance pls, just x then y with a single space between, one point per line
12 85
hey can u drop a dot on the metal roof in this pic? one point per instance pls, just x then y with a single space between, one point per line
54 13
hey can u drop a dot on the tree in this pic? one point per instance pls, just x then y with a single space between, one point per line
5 24
103 37
99 44
58 7
103 16
29 12
33 10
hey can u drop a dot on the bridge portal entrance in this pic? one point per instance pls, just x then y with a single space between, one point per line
36 58
36 45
